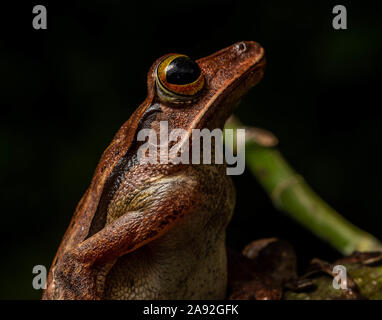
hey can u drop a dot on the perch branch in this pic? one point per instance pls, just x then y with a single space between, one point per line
291 194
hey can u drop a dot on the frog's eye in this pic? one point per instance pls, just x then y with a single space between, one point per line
179 78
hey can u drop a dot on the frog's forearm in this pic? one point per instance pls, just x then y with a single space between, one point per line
136 228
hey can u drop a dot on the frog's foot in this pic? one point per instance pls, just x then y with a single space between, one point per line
262 270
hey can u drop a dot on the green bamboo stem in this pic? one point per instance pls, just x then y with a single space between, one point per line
291 194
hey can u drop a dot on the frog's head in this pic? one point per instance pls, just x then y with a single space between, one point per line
204 93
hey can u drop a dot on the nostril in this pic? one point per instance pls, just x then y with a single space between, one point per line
240 47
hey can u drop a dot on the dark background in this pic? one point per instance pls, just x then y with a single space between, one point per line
65 91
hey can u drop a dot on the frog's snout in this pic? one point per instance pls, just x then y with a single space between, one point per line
247 48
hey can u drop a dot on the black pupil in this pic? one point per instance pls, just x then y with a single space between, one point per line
182 70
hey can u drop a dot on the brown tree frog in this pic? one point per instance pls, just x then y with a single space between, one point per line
157 231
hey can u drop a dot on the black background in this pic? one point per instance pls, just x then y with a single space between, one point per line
66 90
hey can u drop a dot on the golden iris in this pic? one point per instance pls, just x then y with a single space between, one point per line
179 77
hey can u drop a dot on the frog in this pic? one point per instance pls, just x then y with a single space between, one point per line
157 230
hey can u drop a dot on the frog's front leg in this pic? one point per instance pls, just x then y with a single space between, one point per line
78 272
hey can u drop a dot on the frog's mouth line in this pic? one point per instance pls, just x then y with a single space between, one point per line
256 69
251 76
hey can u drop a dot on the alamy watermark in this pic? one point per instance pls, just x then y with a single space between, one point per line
340 279
206 147
40 19
340 20
39 281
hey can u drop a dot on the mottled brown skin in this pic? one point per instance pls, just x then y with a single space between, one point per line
157 231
